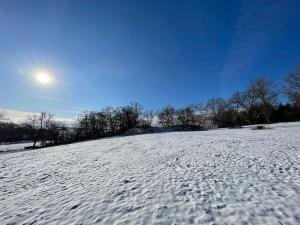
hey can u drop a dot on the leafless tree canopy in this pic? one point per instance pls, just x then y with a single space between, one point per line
264 92
186 116
292 86
216 107
148 117
41 123
167 116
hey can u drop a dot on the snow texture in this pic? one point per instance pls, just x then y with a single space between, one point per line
14 147
225 176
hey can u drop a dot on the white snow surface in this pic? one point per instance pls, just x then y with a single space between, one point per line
14 147
225 176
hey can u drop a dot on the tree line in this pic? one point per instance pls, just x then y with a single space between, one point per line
258 103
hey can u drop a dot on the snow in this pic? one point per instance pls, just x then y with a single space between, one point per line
14 147
225 176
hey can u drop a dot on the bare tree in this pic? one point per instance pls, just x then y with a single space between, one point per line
186 116
101 123
54 130
216 107
233 108
245 101
128 116
40 123
112 123
292 86
200 114
149 116
166 116
264 91
83 124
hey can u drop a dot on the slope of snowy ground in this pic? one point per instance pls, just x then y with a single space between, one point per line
227 176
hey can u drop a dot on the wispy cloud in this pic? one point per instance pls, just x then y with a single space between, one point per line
258 22
15 115
21 72
20 116
51 98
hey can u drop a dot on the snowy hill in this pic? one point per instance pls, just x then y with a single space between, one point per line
226 176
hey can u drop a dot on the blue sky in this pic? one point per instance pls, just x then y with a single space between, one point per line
112 52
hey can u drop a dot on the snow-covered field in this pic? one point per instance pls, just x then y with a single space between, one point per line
226 176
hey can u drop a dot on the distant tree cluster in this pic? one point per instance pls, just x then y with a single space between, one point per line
190 117
38 128
111 121
257 104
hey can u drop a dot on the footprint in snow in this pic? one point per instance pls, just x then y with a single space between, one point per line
126 181
75 206
44 177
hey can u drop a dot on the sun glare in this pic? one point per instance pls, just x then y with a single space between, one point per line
43 78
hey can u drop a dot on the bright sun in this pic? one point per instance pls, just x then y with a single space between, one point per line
43 78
